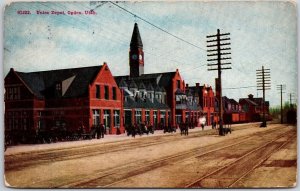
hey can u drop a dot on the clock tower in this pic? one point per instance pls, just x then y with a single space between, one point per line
136 54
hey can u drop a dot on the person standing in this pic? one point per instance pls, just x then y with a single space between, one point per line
98 131
102 130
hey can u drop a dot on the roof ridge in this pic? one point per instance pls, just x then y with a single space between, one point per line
59 69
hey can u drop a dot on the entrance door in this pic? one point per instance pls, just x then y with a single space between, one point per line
128 120
107 121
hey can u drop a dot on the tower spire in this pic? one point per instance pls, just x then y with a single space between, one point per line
136 41
136 53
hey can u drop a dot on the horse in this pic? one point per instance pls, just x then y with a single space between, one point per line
184 129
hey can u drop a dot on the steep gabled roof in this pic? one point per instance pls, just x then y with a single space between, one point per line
150 87
122 83
248 101
132 84
157 89
34 81
162 79
43 83
232 101
142 86
196 91
179 92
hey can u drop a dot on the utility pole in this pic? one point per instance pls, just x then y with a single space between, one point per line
280 88
263 79
291 99
216 55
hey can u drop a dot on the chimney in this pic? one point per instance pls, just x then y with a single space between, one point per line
197 85
186 86
250 96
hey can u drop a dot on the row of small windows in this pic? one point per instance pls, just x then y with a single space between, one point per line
106 92
106 117
17 121
161 97
13 93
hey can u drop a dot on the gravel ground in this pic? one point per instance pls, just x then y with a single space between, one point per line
108 138
68 172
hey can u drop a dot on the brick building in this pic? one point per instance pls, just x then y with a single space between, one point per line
232 111
253 107
206 101
64 99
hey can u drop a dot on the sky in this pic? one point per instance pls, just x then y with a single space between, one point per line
262 34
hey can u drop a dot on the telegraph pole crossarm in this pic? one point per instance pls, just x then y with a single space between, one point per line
217 53
263 80
281 87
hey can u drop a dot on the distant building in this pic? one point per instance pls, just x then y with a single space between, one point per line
206 101
64 99
232 111
253 107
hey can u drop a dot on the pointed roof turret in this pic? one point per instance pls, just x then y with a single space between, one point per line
123 84
133 85
150 87
136 40
142 86
157 89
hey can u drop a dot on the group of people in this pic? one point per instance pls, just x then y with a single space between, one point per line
100 130
97 130
139 129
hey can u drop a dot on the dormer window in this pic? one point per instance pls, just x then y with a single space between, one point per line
58 87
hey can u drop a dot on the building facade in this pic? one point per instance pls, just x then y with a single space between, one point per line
206 101
62 99
254 108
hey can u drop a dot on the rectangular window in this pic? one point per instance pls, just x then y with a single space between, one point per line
208 102
58 87
10 94
98 91
106 93
155 118
114 90
163 117
147 115
15 93
10 124
24 124
117 118
96 116
106 119
178 84
178 118
138 116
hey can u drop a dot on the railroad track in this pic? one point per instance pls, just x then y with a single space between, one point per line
46 156
228 175
119 174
